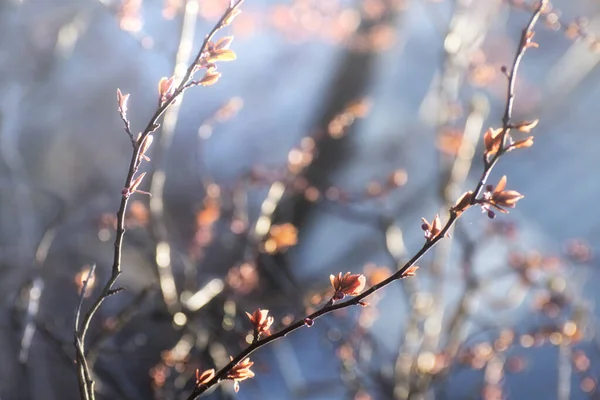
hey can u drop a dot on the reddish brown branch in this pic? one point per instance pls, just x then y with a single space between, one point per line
454 214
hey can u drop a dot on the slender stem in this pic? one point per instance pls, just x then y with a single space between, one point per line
90 274
84 375
510 96
429 244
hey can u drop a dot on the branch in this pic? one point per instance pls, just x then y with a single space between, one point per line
85 384
434 232
205 58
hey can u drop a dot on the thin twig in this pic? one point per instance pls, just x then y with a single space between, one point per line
429 244
90 274
510 95
84 377
119 321
83 371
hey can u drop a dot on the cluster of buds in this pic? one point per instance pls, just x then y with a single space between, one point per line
143 142
218 51
166 88
262 321
215 52
499 199
433 229
122 100
526 127
347 285
204 377
493 140
499 140
133 188
241 371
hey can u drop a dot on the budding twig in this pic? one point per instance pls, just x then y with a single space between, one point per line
168 96
435 232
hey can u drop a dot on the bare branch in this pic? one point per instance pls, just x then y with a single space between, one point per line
409 267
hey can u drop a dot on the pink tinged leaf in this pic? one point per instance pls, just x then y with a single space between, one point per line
521 144
165 86
436 225
221 55
527 126
501 185
136 182
145 146
210 78
224 43
122 101
508 198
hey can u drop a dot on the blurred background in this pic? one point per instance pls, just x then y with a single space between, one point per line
339 126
